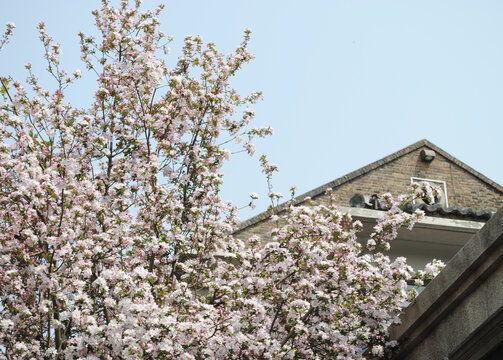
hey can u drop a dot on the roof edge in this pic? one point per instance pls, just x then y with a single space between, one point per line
320 190
464 166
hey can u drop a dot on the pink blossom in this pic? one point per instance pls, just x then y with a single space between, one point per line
115 243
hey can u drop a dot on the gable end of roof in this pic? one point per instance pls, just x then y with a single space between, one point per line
364 170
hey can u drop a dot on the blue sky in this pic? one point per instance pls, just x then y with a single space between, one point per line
345 82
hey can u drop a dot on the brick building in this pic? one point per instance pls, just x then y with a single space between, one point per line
468 200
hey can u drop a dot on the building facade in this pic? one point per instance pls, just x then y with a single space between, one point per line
459 315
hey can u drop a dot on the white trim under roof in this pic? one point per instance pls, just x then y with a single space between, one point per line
427 221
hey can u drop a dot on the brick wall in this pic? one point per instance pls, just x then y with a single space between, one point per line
463 188
392 174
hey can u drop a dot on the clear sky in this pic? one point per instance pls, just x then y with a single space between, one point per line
345 82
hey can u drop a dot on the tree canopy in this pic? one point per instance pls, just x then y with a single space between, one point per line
115 244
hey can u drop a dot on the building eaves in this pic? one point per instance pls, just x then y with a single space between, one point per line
456 211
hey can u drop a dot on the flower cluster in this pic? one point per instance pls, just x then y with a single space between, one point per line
387 227
115 244
7 34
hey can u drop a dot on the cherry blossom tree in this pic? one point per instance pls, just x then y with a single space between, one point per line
115 243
